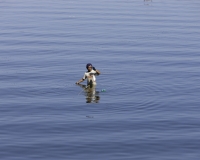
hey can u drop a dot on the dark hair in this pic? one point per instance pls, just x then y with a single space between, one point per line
87 65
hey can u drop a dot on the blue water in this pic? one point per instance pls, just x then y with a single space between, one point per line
148 55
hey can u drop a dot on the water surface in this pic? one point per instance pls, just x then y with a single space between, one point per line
148 54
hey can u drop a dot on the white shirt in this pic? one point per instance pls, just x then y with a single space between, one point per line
90 76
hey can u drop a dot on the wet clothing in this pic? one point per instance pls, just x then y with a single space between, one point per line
90 76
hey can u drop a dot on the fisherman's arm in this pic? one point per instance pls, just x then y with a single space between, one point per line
81 80
97 71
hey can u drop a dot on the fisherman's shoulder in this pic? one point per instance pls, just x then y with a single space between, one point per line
86 73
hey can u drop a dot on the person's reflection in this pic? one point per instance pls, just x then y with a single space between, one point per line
92 96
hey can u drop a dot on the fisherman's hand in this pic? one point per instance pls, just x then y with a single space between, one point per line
94 68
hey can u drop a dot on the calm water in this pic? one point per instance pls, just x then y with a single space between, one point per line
148 54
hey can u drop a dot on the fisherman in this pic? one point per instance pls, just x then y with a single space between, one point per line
90 75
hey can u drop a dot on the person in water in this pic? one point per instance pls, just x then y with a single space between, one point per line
90 75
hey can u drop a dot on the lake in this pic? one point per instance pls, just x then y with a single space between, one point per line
146 102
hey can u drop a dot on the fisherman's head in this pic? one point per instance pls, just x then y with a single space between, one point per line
89 66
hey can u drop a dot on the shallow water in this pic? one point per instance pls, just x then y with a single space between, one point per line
148 54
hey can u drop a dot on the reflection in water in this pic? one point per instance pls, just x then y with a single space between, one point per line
92 96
